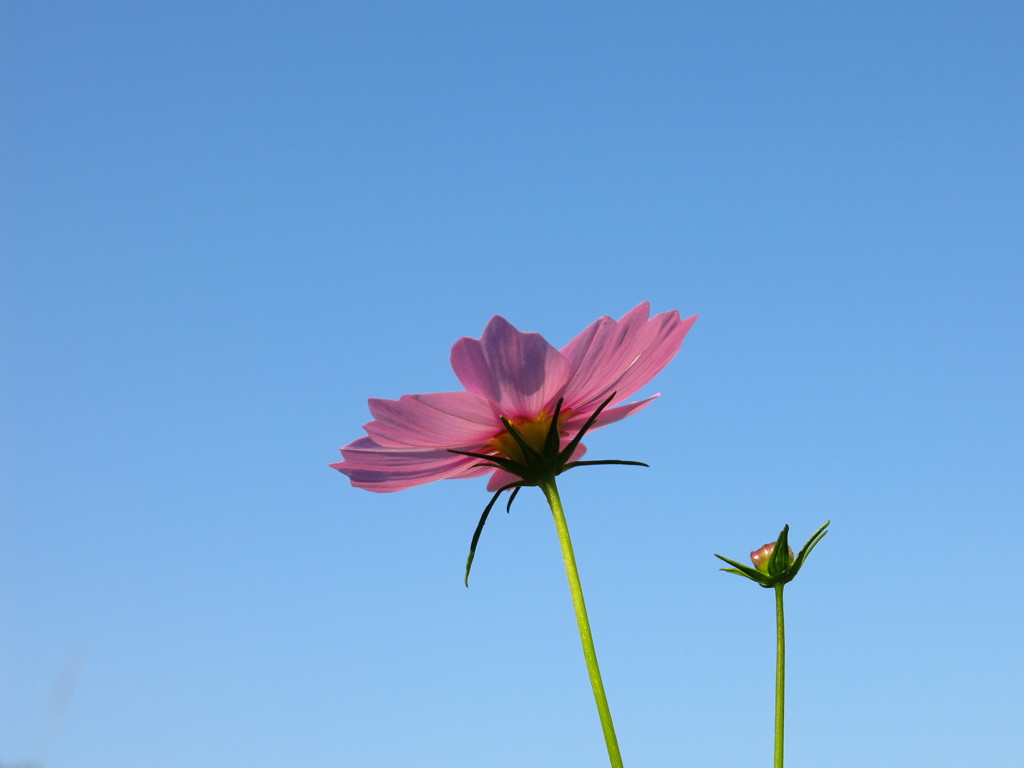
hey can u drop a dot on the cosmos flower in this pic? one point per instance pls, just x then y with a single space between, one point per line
524 408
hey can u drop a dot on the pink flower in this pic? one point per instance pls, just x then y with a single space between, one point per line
521 397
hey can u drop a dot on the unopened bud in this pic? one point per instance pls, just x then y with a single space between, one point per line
769 572
760 557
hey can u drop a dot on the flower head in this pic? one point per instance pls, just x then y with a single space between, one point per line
775 564
524 411
524 408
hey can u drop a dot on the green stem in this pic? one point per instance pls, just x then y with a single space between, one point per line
576 589
780 675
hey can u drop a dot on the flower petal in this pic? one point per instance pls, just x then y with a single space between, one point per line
380 469
436 420
500 479
621 357
519 373
610 415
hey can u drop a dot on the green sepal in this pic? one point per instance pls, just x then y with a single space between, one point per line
552 439
568 451
779 561
483 519
529 452
572 464
511 498
745 570
499 462
812 542
733 570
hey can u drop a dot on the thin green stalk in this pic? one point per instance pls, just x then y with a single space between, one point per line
780 675
576 589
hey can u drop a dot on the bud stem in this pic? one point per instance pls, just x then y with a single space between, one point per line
780 674
576 590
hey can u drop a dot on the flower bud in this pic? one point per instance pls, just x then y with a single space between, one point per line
775 568
760 557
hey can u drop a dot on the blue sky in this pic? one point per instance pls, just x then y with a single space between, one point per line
224 226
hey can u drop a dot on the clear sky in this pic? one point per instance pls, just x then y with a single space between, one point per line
226 225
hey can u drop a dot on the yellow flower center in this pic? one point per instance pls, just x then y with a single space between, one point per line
533 431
